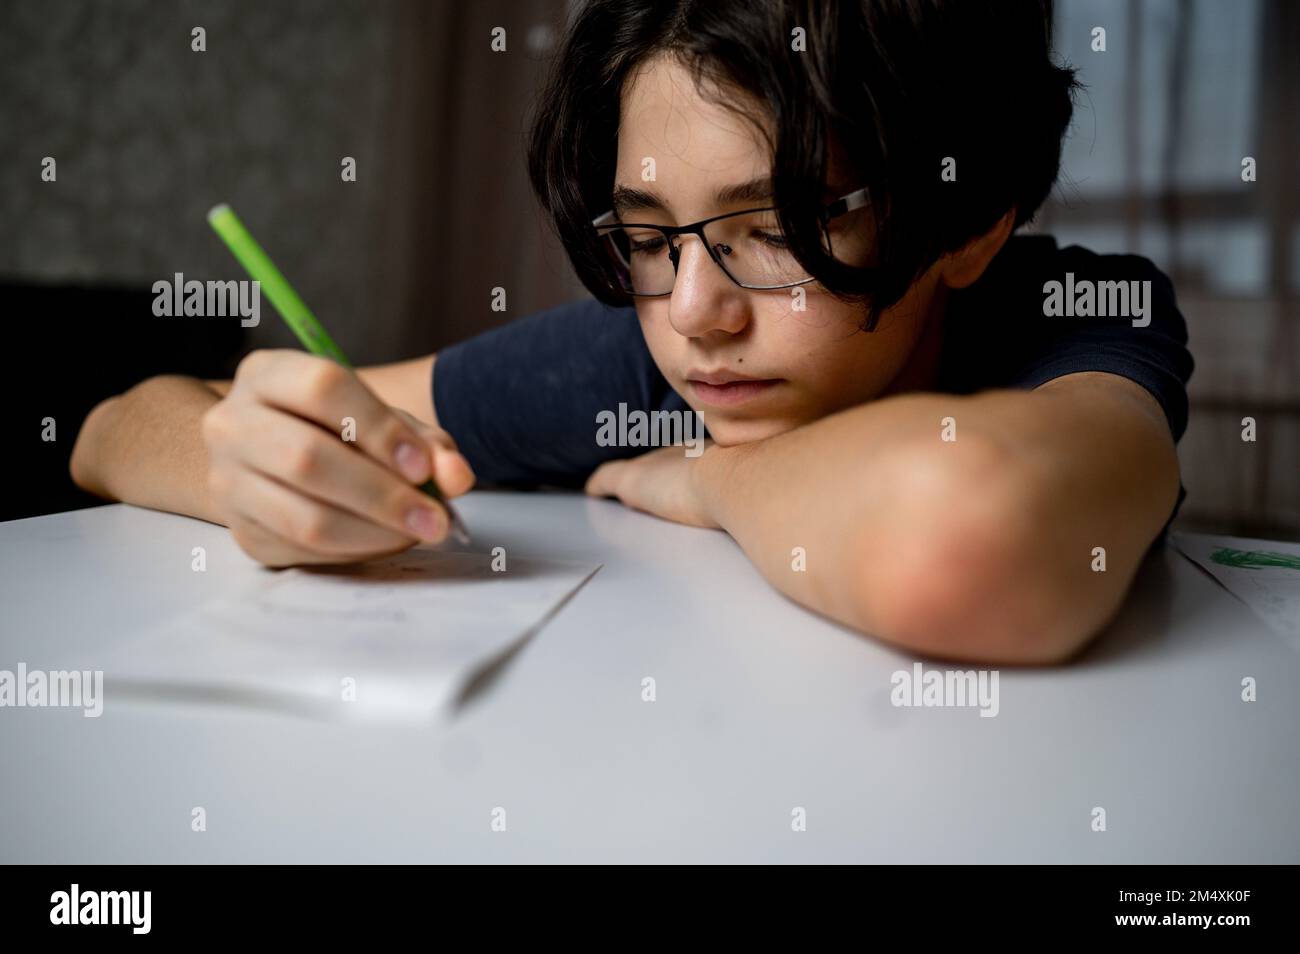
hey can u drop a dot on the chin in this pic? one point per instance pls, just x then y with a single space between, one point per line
729 432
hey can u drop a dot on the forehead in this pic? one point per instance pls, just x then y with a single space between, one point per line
697 144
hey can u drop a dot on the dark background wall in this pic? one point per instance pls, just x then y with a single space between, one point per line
149 134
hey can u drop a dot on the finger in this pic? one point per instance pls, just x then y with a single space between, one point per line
268 547
311 525
309 460
319 390
273 550
451 470
435 435
602 482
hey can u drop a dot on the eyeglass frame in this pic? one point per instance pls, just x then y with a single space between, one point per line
833 210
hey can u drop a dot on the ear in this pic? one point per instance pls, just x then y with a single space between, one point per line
962 267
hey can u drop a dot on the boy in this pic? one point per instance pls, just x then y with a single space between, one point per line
797 220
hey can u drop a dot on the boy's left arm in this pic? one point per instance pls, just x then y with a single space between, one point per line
986 547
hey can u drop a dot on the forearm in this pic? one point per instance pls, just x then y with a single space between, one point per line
145 447
979 547
818 508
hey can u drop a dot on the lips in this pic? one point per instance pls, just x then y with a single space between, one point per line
721 377
726 388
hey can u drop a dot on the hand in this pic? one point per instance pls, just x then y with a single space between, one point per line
664 482
293 491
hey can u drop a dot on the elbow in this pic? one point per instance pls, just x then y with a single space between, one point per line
966 576
977 604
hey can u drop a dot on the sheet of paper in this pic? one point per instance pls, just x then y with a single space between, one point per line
397 638
1263 574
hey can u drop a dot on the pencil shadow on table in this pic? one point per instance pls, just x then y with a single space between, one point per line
487 675
224 697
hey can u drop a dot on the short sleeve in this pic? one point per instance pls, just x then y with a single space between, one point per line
1005 337
522 400
1001 334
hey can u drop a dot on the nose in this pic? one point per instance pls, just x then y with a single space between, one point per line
704 299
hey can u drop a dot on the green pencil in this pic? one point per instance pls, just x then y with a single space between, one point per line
297 315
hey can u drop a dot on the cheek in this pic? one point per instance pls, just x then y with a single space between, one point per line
819 340
834 360
660 337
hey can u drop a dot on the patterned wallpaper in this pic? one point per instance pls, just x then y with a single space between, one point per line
149 134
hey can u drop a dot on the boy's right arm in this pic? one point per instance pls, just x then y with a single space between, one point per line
264 454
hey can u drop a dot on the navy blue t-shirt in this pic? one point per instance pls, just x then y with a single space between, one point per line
522 400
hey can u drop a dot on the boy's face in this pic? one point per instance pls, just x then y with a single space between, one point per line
803 364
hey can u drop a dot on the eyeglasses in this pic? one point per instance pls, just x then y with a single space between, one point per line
748 246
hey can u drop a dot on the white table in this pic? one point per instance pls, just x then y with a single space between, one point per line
761 707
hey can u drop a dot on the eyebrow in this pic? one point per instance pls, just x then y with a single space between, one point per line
625 199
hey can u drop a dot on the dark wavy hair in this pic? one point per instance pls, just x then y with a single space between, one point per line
888 88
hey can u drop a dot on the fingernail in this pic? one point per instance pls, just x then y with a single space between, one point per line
412 462
426 523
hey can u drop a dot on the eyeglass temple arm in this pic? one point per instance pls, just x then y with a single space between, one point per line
845 203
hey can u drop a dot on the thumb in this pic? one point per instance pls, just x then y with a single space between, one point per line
451 470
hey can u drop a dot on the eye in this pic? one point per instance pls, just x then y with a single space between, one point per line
771 239
648 246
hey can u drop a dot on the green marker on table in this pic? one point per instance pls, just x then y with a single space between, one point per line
297 315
